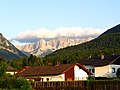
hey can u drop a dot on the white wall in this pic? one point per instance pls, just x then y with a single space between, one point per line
102 71
60 77
111 73
11 73
106 71
79 74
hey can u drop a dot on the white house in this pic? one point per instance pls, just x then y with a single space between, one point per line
10 70
64 72
104 66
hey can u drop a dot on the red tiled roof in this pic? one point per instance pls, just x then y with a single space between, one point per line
49 70
24 68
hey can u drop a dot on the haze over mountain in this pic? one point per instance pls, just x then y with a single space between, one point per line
44 47
8 50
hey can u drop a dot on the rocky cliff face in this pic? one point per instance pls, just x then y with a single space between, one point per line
44 47
8 50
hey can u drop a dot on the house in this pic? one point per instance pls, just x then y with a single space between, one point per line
104 66
11 70
65 72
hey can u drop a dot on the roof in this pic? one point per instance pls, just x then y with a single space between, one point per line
49 70
24 68
11 69
97 61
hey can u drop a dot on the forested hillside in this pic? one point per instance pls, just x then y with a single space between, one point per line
107 43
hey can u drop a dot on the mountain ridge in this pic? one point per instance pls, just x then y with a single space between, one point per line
8 50
43 47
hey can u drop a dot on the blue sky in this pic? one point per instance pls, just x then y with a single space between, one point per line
27 16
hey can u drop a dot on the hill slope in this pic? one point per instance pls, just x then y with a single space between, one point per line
115 29
107 43
8 50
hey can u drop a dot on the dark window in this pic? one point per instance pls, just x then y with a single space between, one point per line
47 79
93 70
90 70
113 70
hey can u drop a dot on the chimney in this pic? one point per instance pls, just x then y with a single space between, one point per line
57 63
102 56
90 56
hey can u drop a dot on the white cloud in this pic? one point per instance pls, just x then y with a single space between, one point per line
35 35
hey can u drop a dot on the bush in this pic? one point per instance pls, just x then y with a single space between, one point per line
90 80
14 83
23 84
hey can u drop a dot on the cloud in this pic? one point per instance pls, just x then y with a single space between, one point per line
43 33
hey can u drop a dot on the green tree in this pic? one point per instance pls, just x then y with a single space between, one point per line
23 84
31 60
118 73
9 82
35 61
25 62
3 67
39 61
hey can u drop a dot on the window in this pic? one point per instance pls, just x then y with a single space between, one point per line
93 71
75 78
90 70
113 70
47 79
42 79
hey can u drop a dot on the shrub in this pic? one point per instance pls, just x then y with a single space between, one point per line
90 80
23 84
14 83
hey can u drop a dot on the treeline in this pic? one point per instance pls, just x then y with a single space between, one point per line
27 61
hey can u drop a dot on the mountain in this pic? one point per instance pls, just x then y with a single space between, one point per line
43 47
115 29
8 50
107 43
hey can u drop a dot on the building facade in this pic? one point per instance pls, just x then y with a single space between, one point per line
65 72
104 66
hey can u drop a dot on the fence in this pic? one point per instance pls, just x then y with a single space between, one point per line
78 85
